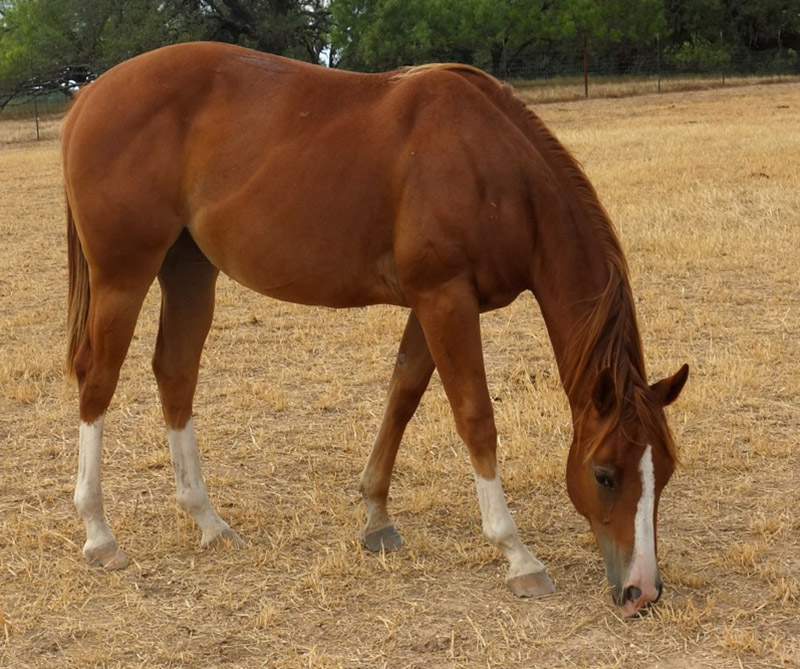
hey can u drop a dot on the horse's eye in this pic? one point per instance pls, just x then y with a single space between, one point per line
603 478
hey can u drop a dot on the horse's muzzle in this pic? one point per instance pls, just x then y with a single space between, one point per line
634 585
634 602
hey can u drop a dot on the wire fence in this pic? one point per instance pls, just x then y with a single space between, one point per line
27 103
44 94
568 71
582 73
671 62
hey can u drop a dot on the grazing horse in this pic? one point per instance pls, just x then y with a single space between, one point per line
431 188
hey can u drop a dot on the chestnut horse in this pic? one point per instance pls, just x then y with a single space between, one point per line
431 188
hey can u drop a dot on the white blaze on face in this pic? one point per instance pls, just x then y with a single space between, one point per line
643 572
645 535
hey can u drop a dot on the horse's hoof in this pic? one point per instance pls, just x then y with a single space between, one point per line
386 539
226 537
108 556
537 584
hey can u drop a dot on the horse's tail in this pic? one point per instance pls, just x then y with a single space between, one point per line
78 297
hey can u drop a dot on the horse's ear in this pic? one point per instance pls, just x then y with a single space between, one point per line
604 394
668 389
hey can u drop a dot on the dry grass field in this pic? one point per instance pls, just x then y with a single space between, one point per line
704 187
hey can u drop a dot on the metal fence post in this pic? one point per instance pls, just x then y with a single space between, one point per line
658 60
36 114
585 67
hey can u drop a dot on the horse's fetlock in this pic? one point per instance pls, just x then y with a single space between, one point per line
192 500
498 531
81 501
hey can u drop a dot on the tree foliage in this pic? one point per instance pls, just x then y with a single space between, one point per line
39 36
502 36
379 34
495 34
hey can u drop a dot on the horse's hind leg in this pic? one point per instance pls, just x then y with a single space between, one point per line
110 324
187 281
412 372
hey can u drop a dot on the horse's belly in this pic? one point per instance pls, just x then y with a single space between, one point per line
301 263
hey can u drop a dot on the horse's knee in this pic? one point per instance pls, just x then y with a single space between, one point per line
477 427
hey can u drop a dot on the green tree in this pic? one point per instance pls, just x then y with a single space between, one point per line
765 24
131 27
498 35
708 33
39 36
687 20
297 28
380 34
615 29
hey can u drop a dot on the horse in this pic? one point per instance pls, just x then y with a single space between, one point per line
432 188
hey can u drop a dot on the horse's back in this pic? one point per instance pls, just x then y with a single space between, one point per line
299 181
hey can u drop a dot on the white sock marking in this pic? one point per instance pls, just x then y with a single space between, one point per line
191 487
500 528
88 496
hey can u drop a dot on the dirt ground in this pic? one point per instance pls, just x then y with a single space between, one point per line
704 188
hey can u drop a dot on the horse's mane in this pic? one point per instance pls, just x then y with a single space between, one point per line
608 337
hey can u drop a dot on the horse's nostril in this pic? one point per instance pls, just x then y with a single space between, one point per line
631 594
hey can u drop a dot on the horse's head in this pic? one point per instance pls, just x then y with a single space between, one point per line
621 458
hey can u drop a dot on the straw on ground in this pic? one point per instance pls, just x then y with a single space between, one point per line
704 189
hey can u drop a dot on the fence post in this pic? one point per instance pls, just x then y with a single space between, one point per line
585 67
36 113
658 60
33 90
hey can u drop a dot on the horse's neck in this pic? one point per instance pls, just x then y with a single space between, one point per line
578 272
569 275
581 284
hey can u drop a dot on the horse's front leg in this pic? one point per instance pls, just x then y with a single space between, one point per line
412 372
451 322
191 488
